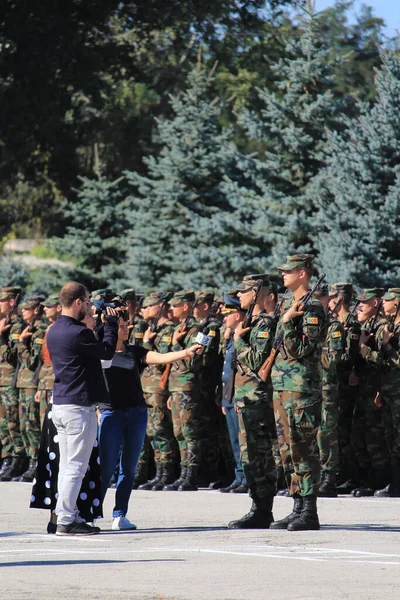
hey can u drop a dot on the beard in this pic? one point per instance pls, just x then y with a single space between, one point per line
81 314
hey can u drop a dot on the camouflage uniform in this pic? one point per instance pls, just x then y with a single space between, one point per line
254 400
368 428
327 434
45 368
296 381
29 352
10 424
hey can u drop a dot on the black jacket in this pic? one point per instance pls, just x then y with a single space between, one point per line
75 353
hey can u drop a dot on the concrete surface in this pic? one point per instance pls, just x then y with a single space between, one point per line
181 550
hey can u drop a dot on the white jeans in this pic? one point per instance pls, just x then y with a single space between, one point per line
77 430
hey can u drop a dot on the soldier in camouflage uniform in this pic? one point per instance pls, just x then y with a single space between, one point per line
185 400
368 429
52 309
349 470
209 378
296 380
254 403
14 462
158 337
390 389
29 351
327 434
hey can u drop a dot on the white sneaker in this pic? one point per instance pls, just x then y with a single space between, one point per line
122 524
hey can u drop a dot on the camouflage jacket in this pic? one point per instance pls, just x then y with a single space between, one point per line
252 350
351 353
161 343
9 352
137 330
210 360
390 381
185 373
46 373
298 365
371 352
29 352
332 352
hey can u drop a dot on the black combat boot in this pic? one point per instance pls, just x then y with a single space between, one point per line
5 465
327 489
308 519
392 490
225 490
29 474
140 475
156 479
173 487
167 477
376 480
296 512
189 484
259 517
17 466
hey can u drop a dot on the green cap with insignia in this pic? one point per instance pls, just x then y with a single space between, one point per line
370 293
392 294
342 288
51 300
6 293
298 260
147 301
31 302
205 295
250 282
158 297
182 296
128 294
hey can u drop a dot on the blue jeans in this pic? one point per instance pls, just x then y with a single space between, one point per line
232 422
121 430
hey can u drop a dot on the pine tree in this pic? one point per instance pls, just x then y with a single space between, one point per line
184 230
95 234
359 194
290 135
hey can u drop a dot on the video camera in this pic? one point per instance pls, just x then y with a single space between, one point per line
110 300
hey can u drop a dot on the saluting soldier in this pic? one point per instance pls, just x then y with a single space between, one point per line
137 324
14 461
296 380
254 404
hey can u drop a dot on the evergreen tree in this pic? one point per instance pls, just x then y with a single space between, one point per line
95 234
290 135
12 273
185 231
359 194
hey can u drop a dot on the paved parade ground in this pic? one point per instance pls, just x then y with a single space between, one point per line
182 550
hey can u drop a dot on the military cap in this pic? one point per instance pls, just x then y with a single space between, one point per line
182 296
344 288
231 303
297 260
51 300
128 294
250 282
205 295
392 294
147 301
370 293
7 293
31 302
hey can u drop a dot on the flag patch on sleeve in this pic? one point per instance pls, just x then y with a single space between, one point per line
312 320
211 333
139 335
167 339
354 336
336 334
263 335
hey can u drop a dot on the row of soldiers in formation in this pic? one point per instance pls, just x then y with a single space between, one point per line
322 418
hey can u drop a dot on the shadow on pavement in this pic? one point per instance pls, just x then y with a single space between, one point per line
362 527
165 530
57 563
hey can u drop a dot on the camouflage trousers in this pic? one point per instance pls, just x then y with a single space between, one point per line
159 428
327 437
368 435
347 396
186 413
391 420
45 397
211 418
9 400
29 421
256 440
297 418
6 444
146 452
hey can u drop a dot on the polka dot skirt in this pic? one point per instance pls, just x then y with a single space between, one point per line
44 490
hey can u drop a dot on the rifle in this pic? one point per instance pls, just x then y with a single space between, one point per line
351 314
332 310
184 325
37 316
266 368
249 314
393 318
376 317
154 324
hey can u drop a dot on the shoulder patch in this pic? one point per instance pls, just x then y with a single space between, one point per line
211 333
354 336
139 335
312 321
167 339
263 335
15 336
39 341
336 334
